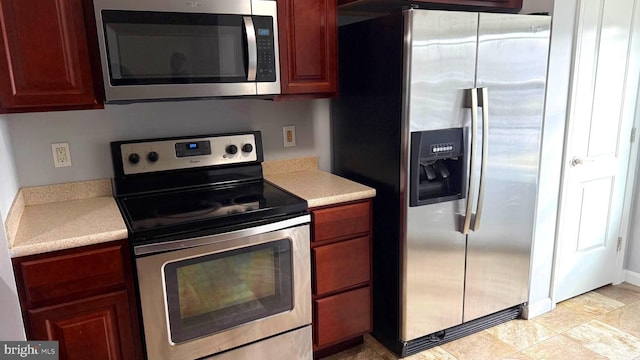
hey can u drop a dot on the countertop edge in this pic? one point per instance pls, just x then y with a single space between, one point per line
68 243
337 199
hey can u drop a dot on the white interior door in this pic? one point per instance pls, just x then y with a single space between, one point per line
604 81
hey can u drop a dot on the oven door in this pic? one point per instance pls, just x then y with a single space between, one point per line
207 48
207 295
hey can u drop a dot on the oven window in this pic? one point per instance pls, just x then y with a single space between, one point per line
165 48
215 292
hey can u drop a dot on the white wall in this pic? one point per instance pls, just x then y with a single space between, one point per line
8 179
89 132
11 327
322 132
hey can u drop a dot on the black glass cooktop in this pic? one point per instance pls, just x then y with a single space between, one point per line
171 213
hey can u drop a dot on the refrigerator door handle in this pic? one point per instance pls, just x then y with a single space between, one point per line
484 95
472 154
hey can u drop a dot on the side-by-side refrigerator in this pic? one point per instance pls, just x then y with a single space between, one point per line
442 113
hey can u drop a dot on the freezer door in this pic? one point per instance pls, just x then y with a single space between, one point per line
440 61
440 66
512 63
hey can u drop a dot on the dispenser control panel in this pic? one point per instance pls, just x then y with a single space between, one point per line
438 166
442 148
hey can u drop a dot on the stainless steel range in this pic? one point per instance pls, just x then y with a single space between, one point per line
221 255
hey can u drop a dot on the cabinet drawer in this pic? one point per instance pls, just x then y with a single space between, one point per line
341 221
83 273
342 316
341 265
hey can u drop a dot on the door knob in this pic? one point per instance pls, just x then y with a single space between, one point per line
577 160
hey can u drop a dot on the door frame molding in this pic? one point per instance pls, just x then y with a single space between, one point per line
630 199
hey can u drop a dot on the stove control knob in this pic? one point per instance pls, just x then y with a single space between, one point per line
153 156
232 149
247 148
134 158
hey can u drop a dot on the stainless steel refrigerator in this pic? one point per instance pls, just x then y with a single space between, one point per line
442 113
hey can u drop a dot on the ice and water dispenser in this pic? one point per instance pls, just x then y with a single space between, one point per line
438 166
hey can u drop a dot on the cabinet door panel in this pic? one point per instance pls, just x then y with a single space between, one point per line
44 55
308 43
341 221
340 265
95 328
342 316
69 276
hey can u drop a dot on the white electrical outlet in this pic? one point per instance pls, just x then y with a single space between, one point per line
289 135
61 154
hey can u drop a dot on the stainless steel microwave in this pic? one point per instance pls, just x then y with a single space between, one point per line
171 49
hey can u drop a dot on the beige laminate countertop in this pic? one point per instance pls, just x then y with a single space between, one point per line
321 188
62 216
302 177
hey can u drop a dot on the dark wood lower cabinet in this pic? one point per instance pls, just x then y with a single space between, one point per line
96 328
84 298
341 273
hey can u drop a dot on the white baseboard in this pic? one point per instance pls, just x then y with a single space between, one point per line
632 277
538 308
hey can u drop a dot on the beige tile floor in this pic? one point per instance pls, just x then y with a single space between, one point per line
601 324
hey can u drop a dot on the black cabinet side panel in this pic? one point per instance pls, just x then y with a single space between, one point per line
367 148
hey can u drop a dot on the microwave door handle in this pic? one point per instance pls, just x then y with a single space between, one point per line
485 151
472 153
252 48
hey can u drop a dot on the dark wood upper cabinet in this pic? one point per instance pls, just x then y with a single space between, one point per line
308 47
44 56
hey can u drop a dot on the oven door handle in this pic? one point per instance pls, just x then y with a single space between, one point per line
149 249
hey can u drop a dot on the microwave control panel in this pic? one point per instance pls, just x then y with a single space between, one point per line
266 70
